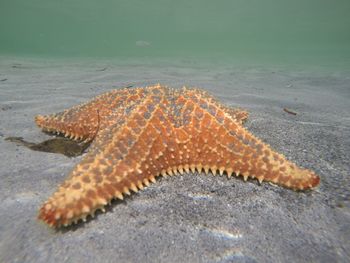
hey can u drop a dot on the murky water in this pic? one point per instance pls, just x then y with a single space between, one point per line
295 32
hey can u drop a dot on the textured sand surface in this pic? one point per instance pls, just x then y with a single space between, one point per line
189 218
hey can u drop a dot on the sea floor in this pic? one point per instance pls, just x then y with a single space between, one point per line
194 217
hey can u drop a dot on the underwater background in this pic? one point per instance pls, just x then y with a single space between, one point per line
286 62
299 32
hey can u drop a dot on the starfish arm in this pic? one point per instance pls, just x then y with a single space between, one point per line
119 160
60 124
84 120
237 114
222 144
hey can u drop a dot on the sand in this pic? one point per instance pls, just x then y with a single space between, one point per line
194 217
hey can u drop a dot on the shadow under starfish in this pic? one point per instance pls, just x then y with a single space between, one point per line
138 134
60 145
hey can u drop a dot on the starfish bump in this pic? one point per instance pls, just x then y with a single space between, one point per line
138 134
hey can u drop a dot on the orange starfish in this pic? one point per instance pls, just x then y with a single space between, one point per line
141 133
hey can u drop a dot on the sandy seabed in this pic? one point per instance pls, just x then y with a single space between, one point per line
189 218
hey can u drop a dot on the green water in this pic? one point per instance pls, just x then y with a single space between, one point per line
284 31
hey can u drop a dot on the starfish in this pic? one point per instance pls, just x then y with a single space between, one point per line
138 134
